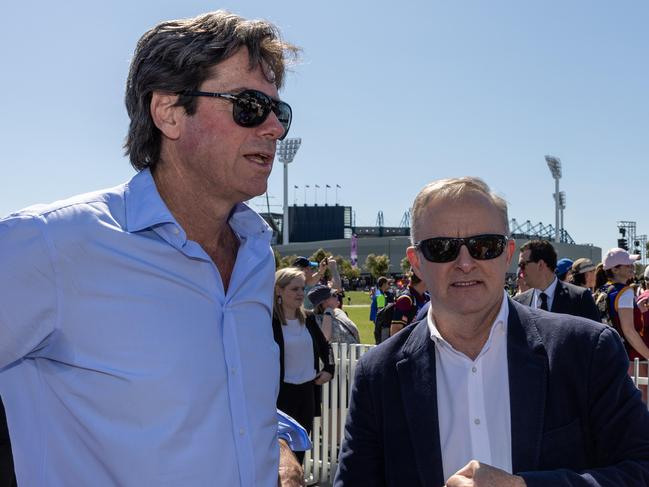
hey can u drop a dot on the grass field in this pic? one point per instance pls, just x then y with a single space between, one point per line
359 313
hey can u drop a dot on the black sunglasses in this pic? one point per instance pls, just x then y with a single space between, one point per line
251 108
446 249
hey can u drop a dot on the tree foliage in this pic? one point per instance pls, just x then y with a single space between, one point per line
377 265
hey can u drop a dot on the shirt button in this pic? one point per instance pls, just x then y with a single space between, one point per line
477 421
241 432
233 371
176 231
474 369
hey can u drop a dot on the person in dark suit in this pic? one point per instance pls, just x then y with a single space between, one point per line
537 261
485 391
7 477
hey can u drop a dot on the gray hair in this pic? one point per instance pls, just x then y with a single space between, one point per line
178 55
453 189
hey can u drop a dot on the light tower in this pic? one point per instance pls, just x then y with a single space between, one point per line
286 150
554 164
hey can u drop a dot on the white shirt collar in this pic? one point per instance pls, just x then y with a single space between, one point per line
548 290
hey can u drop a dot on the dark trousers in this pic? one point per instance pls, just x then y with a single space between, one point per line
298 401
7 477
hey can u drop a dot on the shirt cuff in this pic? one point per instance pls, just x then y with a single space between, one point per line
290 430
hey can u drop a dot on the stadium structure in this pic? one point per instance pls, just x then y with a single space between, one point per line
332 228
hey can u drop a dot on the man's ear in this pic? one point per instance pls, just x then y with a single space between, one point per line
413 258
166 115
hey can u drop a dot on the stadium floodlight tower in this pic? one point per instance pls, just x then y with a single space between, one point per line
286 150
554 163
562 206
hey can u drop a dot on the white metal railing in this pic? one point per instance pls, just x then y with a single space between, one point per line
320 464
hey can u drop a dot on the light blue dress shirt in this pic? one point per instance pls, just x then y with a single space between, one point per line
122 360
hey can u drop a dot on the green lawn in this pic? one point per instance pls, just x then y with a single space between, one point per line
357 297
361 317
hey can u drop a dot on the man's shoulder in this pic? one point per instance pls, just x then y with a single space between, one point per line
387 354
67 210
557 328
524 297
573 289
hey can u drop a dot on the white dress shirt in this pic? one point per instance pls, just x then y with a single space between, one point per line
473 400
549 292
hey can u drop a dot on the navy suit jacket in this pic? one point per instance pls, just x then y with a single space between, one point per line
576 417
567 299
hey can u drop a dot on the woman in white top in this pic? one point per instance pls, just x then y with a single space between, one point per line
302 346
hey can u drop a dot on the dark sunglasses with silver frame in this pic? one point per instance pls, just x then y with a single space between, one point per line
446 249
251 108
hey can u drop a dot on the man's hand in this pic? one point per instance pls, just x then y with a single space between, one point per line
290 470
322 378
476 474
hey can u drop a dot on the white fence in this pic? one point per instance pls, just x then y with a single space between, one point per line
328 430
320 463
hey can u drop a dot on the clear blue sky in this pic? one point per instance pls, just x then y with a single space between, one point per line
387 97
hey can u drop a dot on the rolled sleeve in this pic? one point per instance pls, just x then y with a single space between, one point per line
28 292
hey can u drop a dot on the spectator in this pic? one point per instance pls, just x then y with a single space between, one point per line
583 273
301 348
624 313
409 303
381 298
315 273
643 298
334 323
563 269
537 261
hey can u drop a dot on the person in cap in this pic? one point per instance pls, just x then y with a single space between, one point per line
583 273
537 262
487 392
564 268
333 321
135 339
314 272
624 313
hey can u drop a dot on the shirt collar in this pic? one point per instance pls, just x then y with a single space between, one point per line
498 326
549 291
145 209
144 206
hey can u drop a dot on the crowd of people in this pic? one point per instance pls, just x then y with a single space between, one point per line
146 337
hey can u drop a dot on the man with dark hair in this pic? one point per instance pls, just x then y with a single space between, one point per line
486 392
136 345
537 263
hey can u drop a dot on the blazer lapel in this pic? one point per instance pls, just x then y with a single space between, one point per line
418 383
527 363
560 299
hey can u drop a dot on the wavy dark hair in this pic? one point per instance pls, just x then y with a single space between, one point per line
178 55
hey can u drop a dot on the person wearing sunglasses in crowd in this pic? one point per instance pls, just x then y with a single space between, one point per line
537 261
136 345
487 392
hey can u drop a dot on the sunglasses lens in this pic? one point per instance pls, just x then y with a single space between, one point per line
251 108
440 249
486 247
446 249
284 114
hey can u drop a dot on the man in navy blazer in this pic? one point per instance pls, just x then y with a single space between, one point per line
538 262
486 392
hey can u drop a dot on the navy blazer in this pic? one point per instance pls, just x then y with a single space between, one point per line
568 299
576 417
